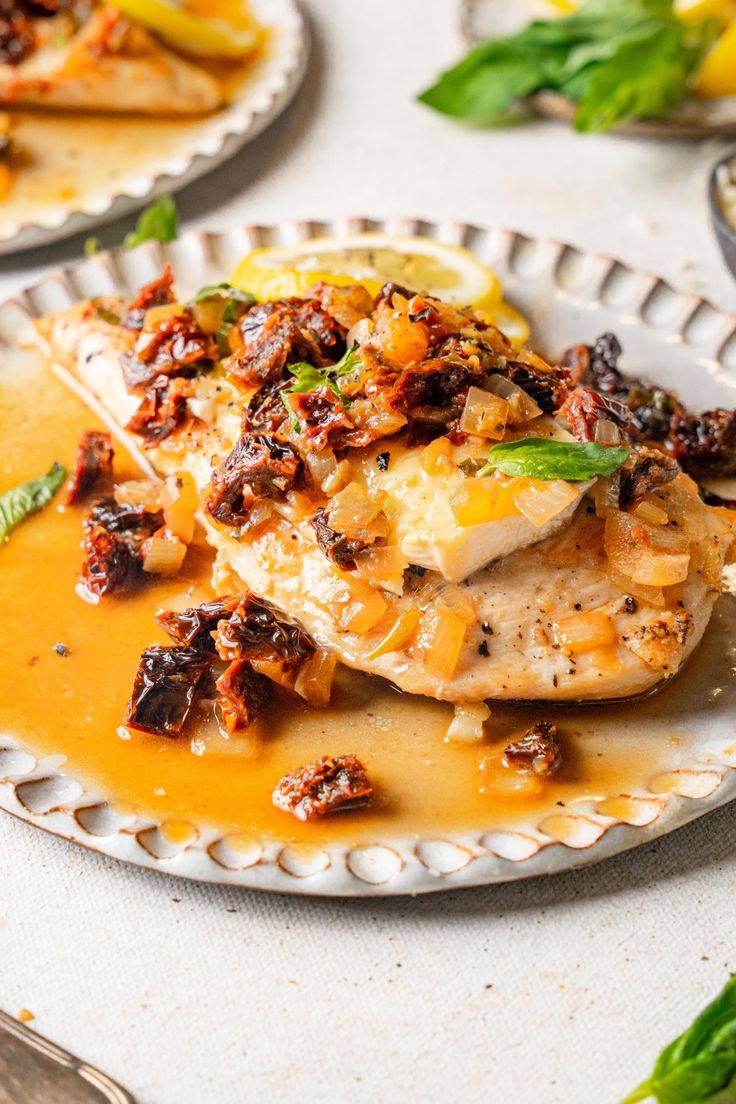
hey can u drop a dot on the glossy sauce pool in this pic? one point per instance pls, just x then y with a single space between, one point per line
74 705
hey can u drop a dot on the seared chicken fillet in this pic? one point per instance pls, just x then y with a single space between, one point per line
348 490
101 62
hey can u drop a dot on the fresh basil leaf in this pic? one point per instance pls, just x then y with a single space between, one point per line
699 1066
159 222
92 246
593 56
646 77
17 503
309 378
222 291
542 458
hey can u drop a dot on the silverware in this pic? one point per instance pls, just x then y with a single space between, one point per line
36 1071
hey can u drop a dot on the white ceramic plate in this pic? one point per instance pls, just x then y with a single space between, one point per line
696 118
570 296
102 175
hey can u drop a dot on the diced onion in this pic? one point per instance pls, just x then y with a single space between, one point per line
383 566
650 512
315 678
584 632
484 414
606 433
399 635
139 492
477 501
320 465
163 555
541 500
203 407
338 479
449 595
439 640
352 511
522 407
651 555
467 724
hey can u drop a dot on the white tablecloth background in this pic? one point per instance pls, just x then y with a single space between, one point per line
559 990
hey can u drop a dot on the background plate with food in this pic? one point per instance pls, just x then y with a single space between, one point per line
458 798
106 105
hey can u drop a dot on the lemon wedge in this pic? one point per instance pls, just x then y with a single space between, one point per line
446 271
193 34
691 11
717 74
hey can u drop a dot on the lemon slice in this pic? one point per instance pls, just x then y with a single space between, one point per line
194 34
446 271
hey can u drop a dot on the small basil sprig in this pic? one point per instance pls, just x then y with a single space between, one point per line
17 503
158 222
542 458
229 304
699 1067
309 378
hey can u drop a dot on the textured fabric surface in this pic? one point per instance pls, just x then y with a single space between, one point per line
557 991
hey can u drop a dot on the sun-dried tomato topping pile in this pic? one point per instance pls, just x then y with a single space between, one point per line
235 650
18 38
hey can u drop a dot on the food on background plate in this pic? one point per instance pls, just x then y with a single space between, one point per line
387 481
159 59
726 190
617 60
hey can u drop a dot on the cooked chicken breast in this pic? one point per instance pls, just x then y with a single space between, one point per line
590 588
105 64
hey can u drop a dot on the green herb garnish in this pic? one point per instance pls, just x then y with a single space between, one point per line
217 308
309 378
542 458
699 1067
17 503
158 222
617 59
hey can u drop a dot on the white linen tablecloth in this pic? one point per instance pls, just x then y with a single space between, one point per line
556 991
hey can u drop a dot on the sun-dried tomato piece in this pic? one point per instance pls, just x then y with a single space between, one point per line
193 627
347 305
242 695
92 465
584 409
339 548
177 347
165 690
651 469
111 563
158 293
255 630
259 466
114 534
321 415
281 332
597 366
162 409
434 384
705 444
17 38
537 751
124 517
324 787
266 413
